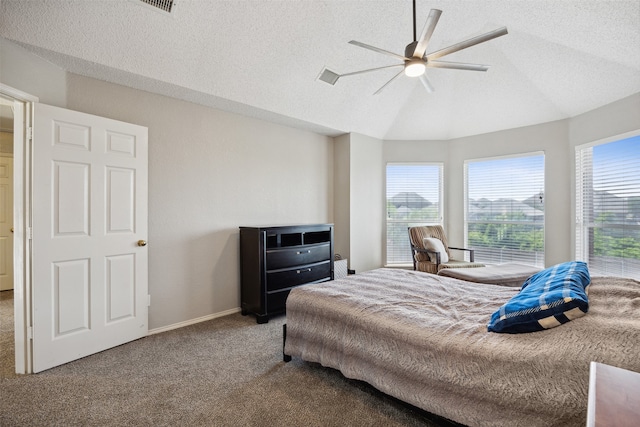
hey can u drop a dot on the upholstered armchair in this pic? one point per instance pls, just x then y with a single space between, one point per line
431 252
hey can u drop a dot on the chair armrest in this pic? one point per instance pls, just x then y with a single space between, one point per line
427 251
471 252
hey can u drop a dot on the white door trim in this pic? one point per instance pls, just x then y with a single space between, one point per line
21 208
17 94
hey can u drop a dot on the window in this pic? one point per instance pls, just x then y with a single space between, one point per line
504 209
414 197
608 207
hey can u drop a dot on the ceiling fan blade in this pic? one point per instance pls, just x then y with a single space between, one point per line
457 65
467 43
370 69
427 31
427 84
332 77
376 49
387 83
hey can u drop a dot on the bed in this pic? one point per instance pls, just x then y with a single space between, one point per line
423 339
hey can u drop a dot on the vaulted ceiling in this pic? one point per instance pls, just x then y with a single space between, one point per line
263 58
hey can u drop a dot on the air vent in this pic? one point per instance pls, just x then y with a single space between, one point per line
328 76
164 5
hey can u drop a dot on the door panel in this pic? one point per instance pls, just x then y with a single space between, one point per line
121 287
120 193
71 199
70 297
89 211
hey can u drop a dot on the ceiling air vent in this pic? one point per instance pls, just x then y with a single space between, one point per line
164 5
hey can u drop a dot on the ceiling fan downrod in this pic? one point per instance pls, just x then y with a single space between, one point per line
415 37
410 49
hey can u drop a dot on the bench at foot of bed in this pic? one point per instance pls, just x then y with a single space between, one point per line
509 274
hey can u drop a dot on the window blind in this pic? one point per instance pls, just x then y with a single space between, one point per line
608 207
414 197
504 209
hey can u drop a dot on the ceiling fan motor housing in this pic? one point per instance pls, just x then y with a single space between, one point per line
410 49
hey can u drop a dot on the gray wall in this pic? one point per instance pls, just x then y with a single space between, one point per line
342 195
366 204
359 200
209 173
31 74
556 139
212 171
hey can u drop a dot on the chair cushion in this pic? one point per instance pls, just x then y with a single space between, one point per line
547 299
433 244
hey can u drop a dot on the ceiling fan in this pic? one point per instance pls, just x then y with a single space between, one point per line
415 60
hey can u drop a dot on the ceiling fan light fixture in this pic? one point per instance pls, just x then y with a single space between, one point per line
414 68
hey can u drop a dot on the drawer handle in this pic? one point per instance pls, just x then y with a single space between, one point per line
303 271
304 252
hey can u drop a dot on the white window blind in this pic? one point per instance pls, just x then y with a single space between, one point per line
504 209
608 207
414 197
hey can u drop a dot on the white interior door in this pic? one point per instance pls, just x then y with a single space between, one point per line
6 223
89 229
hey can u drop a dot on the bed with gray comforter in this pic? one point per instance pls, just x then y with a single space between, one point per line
423 339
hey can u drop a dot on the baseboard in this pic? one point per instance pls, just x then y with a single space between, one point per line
192 321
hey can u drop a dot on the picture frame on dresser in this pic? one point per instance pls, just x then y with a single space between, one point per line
276 259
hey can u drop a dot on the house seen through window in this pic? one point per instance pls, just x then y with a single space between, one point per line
414 197
608 207
504 209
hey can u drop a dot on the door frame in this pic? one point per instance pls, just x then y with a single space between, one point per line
22 155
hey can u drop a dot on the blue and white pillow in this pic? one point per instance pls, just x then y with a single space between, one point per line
547 299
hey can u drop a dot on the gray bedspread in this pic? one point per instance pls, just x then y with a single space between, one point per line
423 339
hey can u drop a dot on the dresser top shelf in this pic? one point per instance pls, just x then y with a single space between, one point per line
288 227
294 235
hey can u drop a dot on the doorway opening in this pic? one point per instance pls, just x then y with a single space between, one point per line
7 333
16 120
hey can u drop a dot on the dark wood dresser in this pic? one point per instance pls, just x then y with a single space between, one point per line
274 260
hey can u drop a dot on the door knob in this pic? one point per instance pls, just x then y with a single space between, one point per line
142 243
12 229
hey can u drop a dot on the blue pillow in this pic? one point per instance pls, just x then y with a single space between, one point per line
547 299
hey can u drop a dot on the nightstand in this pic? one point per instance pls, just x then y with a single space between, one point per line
614 397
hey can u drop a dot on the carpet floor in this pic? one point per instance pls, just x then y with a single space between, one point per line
223 372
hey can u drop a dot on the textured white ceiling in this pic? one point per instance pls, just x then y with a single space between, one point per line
262 58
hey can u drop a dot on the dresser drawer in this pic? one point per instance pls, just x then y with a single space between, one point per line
291 257
298 276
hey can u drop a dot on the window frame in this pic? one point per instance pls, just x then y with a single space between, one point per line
581 226
539 259
387 221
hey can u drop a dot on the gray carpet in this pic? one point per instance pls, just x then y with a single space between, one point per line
224 372
7 343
